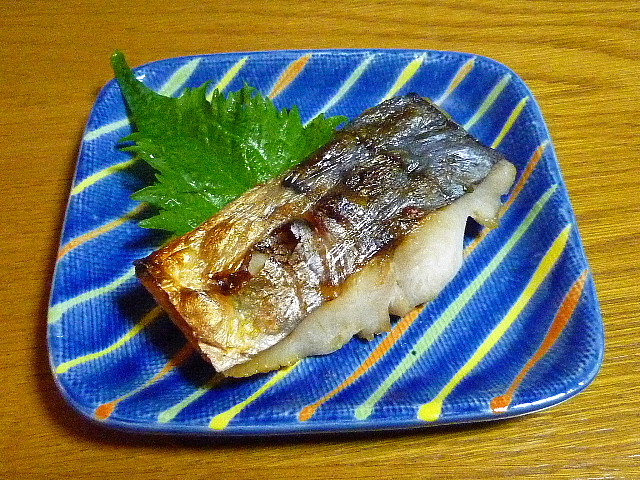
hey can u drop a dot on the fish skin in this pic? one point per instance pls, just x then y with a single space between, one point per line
243 280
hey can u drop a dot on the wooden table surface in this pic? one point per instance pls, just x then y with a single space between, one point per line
582 60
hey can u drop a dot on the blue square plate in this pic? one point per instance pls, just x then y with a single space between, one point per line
519 328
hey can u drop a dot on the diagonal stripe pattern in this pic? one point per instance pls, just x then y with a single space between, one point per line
346 86
517 189
464 71
399 330
284 76
436 330
76 242
407 74
501 403
228 77
380 351
105 410
172 85
170 413
431 411
289 75
508 125
146 320
220 421
56 311
488 102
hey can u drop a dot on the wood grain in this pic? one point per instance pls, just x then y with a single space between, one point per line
581 59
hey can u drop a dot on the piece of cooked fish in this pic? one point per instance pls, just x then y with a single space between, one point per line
371 224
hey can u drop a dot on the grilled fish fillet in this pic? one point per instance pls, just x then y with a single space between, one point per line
370 225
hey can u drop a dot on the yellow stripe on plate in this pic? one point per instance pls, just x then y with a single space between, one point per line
431 411
347 85
515 114
450 314
407 74
220 421
228 77
147 320
488 102
56 311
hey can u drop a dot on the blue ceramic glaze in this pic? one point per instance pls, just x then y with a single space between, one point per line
526 320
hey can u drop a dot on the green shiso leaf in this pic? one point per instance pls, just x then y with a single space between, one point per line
207 153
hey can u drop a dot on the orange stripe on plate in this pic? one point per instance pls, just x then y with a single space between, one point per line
381 350
309 411
522 181
501 403
76 242
457 80
105 410
290 75
524 178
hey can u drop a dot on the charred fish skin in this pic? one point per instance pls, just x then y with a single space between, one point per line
414 272
382 174
409 133
244 280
